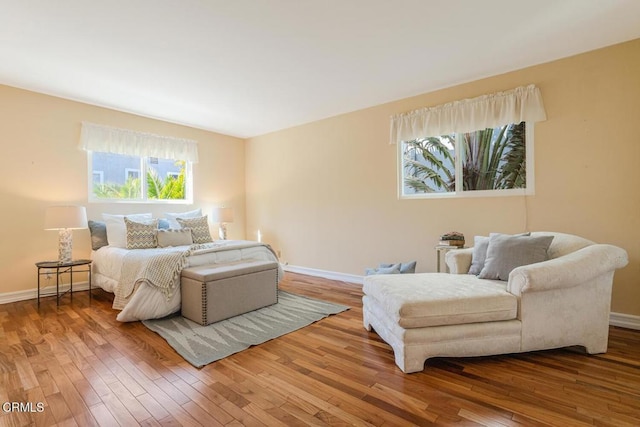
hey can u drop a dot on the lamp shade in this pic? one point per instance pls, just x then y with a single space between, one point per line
65 217
221 215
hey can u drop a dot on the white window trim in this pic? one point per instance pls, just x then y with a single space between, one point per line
528 191
127 170
100 175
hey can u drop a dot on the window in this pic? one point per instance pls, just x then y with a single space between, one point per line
130 173
488 162
165 179
137 167
474 147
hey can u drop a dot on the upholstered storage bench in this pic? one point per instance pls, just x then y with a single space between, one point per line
215 292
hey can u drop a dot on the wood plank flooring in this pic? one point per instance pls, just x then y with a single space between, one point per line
87 369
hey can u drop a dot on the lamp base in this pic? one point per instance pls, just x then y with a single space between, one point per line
222 231
65 243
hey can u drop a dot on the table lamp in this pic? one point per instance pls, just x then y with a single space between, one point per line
65 219
222 216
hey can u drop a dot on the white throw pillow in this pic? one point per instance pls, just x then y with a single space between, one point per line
117 230
173 216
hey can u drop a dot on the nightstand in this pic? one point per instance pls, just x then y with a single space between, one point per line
47 268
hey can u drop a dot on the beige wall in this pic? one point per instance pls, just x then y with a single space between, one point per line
325 193
43 166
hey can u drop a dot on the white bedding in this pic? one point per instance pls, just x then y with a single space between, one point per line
147 302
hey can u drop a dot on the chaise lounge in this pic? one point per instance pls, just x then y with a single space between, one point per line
560 300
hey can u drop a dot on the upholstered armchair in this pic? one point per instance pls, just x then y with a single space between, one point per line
562 300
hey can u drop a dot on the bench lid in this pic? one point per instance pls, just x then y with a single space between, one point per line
209 272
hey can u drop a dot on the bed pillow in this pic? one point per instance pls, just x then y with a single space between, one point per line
174 237
141 235
505 253
199 228
98 231
116 229
173 216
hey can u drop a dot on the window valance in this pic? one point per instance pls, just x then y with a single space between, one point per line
523 103
108 139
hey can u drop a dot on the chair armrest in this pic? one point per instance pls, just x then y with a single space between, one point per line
568 270
458 260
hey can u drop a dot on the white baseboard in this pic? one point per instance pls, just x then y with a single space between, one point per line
332 275
624 320
615 319
8 297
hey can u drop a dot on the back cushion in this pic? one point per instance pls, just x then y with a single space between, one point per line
563 244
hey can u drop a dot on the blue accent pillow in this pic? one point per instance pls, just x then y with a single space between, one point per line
479 254
393 269
506 253
405 267
98 231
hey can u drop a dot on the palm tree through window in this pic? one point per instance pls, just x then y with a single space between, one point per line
487 159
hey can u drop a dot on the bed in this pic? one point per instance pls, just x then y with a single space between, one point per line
146 282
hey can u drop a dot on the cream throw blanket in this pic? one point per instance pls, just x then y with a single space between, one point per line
160 269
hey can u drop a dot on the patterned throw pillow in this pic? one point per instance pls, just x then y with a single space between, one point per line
172 217
117 230
141 235
199 228
174 237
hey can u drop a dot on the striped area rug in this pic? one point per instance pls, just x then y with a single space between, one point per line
201 345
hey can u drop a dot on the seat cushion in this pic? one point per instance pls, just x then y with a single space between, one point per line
435 299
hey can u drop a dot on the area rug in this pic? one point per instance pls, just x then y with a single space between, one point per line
201 345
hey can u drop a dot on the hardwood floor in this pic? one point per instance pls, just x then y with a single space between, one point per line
86 368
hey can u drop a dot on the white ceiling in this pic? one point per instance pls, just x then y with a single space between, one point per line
249 67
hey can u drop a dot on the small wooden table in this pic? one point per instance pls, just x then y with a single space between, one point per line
440 251
46 268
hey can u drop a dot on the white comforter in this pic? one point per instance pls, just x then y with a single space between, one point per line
148 301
